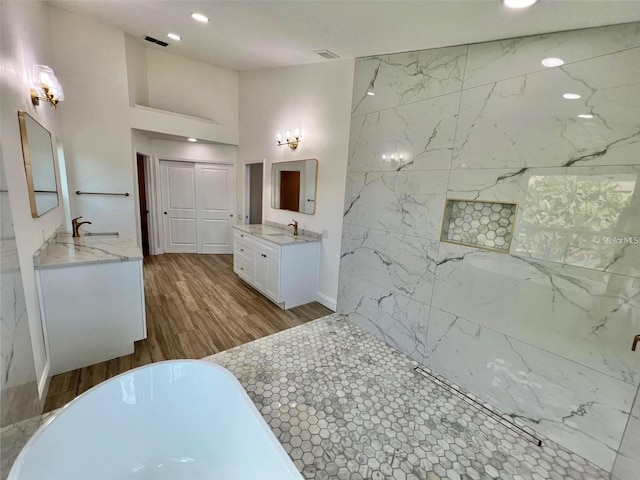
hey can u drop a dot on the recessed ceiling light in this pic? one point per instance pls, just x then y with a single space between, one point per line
552 62
174 36
191 139
518 3
585 115
571 96
199 17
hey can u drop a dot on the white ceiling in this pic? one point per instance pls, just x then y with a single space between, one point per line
249 35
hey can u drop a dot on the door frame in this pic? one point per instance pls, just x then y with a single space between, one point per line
247 189
154 197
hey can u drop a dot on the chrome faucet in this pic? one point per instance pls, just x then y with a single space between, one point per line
295 227
76 225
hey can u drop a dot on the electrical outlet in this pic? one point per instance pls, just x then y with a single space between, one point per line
325 233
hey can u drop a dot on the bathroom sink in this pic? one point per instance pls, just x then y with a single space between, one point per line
101 234
279 234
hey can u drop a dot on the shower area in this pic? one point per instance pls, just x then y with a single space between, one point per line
492 226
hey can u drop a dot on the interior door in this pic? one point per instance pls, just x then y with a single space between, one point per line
179 207
214 205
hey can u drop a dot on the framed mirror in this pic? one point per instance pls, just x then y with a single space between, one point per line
37 151
294 186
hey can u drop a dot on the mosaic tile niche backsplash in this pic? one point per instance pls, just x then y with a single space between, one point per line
483 224
543 329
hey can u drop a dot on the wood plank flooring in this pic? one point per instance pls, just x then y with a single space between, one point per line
196 306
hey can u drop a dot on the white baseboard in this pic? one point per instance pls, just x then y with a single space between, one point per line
43 383
330 303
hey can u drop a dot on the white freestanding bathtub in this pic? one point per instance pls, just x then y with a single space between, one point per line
183 419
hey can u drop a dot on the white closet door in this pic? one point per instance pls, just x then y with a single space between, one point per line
198 207
214 204
179 207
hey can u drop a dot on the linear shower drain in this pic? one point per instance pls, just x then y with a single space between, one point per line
503 419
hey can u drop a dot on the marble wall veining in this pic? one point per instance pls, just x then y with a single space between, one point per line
544 332
19 403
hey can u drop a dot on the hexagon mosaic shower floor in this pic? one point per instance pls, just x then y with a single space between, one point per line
345 405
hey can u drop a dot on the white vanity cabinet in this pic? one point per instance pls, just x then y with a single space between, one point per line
91 294
286 273
92 312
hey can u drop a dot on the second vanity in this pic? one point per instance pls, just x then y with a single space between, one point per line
283 267
91 295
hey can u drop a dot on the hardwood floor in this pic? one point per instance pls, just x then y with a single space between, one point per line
196 306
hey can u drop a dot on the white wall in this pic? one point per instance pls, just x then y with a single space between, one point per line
25 40
318 98
195 152
91 64
136 55
186 86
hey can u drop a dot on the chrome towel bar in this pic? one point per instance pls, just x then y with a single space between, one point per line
78 192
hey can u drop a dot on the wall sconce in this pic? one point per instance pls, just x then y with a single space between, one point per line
289 139
45 86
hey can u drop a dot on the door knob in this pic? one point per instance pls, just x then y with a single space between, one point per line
165 213
635 343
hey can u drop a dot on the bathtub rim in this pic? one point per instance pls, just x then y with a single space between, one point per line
287 461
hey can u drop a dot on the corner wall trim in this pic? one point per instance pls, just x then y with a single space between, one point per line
330 303
43 383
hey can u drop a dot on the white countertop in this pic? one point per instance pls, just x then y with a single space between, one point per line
275 235
64 250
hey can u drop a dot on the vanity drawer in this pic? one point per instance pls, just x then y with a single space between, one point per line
272 249
243 251
242 238
244 268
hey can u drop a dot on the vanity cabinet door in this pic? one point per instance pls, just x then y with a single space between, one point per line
266 272
273 277
260 269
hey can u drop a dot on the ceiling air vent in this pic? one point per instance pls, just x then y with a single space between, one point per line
326 54
156 41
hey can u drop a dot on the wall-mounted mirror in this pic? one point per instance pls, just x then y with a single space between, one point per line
294 186
37 150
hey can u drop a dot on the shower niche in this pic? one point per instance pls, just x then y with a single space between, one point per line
479 223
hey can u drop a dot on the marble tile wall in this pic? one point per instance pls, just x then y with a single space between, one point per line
628 460
544 332
19 404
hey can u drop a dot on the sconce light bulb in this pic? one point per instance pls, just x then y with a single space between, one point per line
400 157
296 132
45 79
278 135
552 62
384 157
393 156
518 3
288 134
199 17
